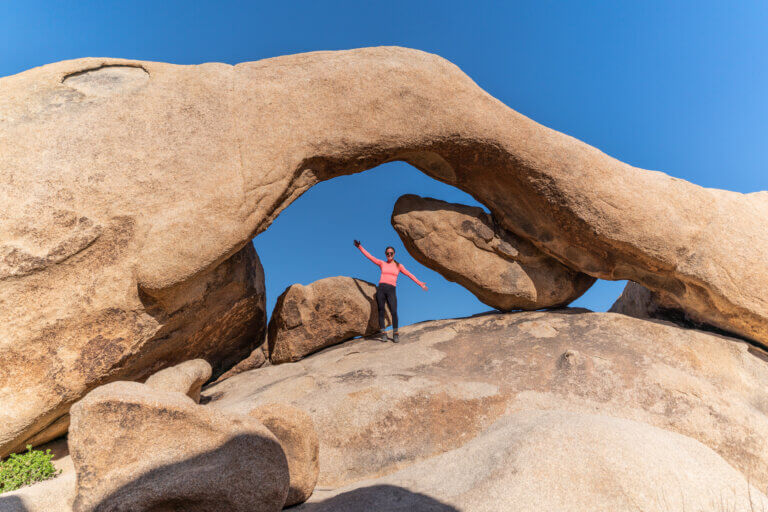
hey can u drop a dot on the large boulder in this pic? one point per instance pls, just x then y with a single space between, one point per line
128 187
466 245
379 408
307 318
560 461
187 377
104 333
136 449
296 433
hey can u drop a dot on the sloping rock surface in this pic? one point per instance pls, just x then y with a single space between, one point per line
136 449
310 317
465 245
559 461
379 408
126 184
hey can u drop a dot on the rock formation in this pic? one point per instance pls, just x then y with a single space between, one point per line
296 433
379 408
318 315
187 377
130 190
558 461
465 245
135 448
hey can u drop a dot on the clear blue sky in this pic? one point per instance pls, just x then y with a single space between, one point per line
680 87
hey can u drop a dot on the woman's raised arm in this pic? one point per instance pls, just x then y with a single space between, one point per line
375 261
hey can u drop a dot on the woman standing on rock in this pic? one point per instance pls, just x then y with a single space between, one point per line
385 291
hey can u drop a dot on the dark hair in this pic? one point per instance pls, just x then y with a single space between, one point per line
393 250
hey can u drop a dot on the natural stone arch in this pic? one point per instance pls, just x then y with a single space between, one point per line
176 168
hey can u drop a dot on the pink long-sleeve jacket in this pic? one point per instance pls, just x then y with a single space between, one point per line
389 271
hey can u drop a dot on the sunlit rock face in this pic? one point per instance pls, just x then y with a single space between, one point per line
380 408
129 192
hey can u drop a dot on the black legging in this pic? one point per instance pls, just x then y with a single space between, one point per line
386 293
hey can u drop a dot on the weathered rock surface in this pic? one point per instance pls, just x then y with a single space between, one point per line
126 184
308 318
466 245
187 377
135 448
379 408
296 433
561 461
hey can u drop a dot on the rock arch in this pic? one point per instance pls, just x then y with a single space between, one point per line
176 168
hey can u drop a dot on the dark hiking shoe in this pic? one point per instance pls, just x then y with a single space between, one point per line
395 338
381 336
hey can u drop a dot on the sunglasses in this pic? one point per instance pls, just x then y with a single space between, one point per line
390 253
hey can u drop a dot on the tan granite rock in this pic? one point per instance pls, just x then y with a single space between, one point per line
129 188
379 408
307 318
136 449
296 433
187 377
466 245
560 461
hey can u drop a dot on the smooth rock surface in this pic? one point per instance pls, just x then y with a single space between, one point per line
464 244
379 408
187 377
561 461
309 318
296 433
125 184
135 449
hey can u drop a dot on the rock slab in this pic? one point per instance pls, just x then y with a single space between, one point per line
560 461
310 317
135 449
379 408
466 245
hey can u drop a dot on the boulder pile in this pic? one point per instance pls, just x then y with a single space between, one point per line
131 191
115 263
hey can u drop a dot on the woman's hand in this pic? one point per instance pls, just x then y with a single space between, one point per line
357 243
424 286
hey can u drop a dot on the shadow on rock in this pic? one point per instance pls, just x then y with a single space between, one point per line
12 504
213 481
382 498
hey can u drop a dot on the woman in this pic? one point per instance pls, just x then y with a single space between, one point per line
385 291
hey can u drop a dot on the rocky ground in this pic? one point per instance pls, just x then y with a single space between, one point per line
525 408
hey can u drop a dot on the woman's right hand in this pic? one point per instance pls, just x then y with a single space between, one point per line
357 243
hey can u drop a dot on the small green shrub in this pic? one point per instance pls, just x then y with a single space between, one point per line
22 469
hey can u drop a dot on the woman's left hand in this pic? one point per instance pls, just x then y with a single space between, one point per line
424 287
